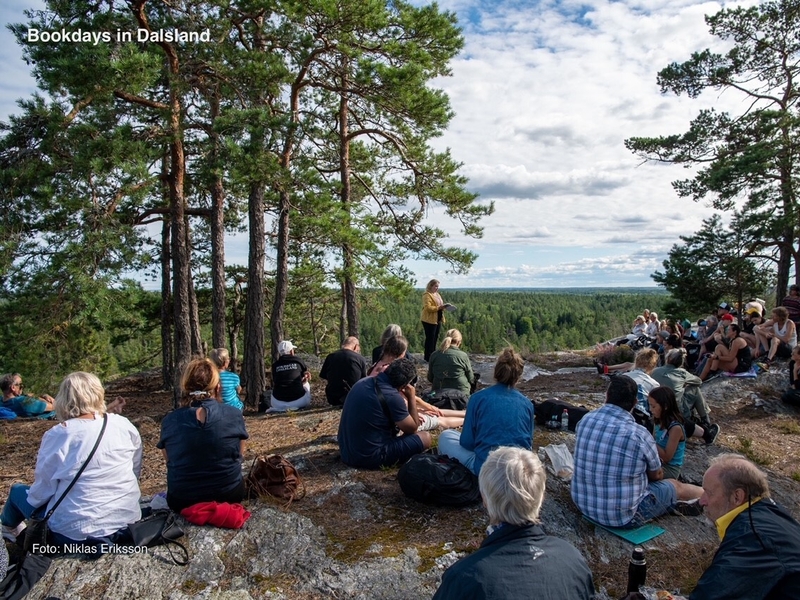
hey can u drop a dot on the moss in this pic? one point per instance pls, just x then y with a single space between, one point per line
354 547
192 587
746 448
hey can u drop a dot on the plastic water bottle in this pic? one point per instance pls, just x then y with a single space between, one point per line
565 420
637 570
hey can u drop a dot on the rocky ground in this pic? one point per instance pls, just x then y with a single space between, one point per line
356 536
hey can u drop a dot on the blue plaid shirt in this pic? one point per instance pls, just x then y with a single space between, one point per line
612 457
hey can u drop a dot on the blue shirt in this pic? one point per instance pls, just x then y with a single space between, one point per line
230 383
612 457
497 416
28 406
662 437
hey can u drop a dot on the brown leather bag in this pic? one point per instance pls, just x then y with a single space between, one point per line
276 477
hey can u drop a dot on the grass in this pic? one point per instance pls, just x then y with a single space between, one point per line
788 426
796 475
746 448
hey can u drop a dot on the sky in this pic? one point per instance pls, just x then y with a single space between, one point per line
544 94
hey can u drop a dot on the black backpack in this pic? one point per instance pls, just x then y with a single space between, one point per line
447 398
438 479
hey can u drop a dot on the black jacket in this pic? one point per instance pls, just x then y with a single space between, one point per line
519 563
757 560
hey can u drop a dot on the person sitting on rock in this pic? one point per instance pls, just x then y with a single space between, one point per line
376 408
105 497
231 385
618 480
290 376
203 442
688 395
779 334
496 416
752 319
653 325
759 553
644 363
430 417
342 369
732 355
639 326
517 561
668 432
22 405
449 367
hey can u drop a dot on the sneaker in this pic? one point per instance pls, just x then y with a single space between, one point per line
12 533
711 434
689 508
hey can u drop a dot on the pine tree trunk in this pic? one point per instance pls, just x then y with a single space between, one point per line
351 308
253 372
281 274
167 364
218 308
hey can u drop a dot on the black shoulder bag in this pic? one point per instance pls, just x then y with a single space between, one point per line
37 532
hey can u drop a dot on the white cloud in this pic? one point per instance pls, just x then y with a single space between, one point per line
544 95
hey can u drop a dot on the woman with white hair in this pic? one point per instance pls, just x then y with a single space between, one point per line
517 560
105 497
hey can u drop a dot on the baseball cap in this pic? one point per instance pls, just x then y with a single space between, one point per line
725 306
285 347
727 318
753 311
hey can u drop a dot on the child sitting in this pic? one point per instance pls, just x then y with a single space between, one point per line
669 433
229 380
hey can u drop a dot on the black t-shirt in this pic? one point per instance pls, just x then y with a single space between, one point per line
342 369
287 378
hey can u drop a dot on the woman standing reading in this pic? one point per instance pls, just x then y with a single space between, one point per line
432 316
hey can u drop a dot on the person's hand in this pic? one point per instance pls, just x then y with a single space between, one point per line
435 410
48 398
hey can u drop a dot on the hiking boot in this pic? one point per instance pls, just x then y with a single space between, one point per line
689 508
710 435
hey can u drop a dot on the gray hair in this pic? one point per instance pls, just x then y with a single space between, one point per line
737 473
392 330
512 484
79 394
675 357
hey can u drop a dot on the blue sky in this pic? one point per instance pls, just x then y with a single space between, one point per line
544 95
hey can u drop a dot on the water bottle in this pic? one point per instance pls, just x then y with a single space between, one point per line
637 570
565 420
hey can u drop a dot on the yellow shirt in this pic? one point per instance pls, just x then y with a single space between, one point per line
725 520
431 303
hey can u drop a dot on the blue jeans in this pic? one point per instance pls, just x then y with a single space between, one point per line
17 509
450 445
661 496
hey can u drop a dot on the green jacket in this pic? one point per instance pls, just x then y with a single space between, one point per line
450 369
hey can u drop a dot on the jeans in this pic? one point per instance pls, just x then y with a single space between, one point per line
450 445
17 509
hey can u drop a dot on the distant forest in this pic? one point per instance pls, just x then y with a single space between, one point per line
530 320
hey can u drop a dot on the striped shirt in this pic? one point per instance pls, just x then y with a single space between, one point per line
612 457
230 383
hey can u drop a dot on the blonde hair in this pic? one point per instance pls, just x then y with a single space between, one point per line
430 285
200 381
220 357
508 368
646 359
512 482
452 338
79 394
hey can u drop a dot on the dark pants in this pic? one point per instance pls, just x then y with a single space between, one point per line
431 337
